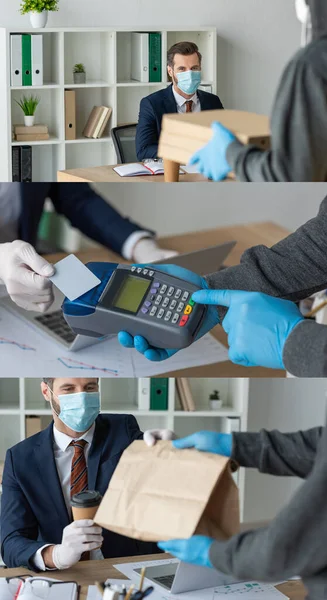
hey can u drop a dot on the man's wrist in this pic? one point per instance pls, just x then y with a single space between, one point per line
47 555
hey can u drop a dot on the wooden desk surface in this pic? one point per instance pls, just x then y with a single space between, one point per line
86 573
106 174
248 235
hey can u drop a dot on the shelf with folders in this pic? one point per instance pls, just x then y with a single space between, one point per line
106 54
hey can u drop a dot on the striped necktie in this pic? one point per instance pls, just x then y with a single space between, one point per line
189 105
78 478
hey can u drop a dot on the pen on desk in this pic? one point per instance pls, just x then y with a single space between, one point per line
140 595
129 593
142 578
315 310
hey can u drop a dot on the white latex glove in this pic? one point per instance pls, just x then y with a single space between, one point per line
25 275
78 537
151 436
147 251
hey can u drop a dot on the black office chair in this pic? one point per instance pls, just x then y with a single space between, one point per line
124 141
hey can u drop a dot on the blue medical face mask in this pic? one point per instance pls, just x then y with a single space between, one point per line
189 81
78 411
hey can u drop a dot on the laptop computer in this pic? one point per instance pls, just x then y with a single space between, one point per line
52 322
178 577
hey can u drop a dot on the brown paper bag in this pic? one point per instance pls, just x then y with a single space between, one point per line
162 493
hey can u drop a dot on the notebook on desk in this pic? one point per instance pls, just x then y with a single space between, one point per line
149 167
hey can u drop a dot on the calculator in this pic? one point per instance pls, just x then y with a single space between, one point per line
139 300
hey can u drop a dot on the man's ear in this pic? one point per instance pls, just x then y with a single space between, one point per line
169 71
45 391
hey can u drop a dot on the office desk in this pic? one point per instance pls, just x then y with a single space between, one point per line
106 174
246 236
87 572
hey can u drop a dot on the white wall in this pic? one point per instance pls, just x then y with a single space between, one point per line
287 405
256 37
171 209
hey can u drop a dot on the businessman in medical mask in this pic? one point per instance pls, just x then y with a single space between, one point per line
79 450
298 120
184 63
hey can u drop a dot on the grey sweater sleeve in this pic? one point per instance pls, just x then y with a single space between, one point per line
276 453
298 125
295 541
293 269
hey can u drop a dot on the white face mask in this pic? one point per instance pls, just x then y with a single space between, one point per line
303 14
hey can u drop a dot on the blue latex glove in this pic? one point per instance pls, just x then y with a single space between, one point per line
195 550
257 325
157 354
207 441
211 159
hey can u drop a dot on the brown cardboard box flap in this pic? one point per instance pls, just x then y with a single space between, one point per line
162 493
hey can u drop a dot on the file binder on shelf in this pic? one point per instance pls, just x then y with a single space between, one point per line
16 60
159 393
37 59
27 59
70 115
143 393
155 57
140 57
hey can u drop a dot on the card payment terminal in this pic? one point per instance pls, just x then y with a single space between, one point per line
141 301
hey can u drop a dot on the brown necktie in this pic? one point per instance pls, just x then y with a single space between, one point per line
78 477
189 105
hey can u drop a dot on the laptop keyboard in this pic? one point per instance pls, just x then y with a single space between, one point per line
166 580
56 323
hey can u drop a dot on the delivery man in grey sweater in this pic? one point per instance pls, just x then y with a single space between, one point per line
264 326
294 543
298 122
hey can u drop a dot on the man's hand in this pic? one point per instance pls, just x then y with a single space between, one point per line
151 436
195 550
78 537
257 325
25 275
147 250
211 159
157 354
207 441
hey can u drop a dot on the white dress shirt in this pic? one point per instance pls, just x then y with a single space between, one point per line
10 210
63 455
181 102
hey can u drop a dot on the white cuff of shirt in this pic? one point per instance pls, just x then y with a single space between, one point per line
130 243
38 559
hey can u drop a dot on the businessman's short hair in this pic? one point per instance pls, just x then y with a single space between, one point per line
183 48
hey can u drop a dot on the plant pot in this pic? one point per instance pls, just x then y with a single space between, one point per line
216 404
29 120
39 19
79 78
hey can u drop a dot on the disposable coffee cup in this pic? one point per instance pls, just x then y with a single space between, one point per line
85 504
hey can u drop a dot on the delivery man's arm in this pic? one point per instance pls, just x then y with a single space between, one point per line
277 453
293 269
298 125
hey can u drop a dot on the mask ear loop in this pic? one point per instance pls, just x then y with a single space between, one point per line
52 407
306 29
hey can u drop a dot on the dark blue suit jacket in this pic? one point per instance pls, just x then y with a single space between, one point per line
33 510
84 208
152 109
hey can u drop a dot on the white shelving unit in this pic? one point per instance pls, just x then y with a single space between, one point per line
106 54
22 397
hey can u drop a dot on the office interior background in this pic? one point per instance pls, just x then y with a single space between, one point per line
255 37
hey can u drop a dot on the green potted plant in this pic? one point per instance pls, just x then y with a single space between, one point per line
38 11
28 106
215 400
79 73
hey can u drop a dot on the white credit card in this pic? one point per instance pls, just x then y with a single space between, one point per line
73 278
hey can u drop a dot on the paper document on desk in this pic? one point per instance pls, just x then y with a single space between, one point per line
249 590
22 343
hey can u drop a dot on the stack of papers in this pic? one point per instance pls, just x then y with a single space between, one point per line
66 591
